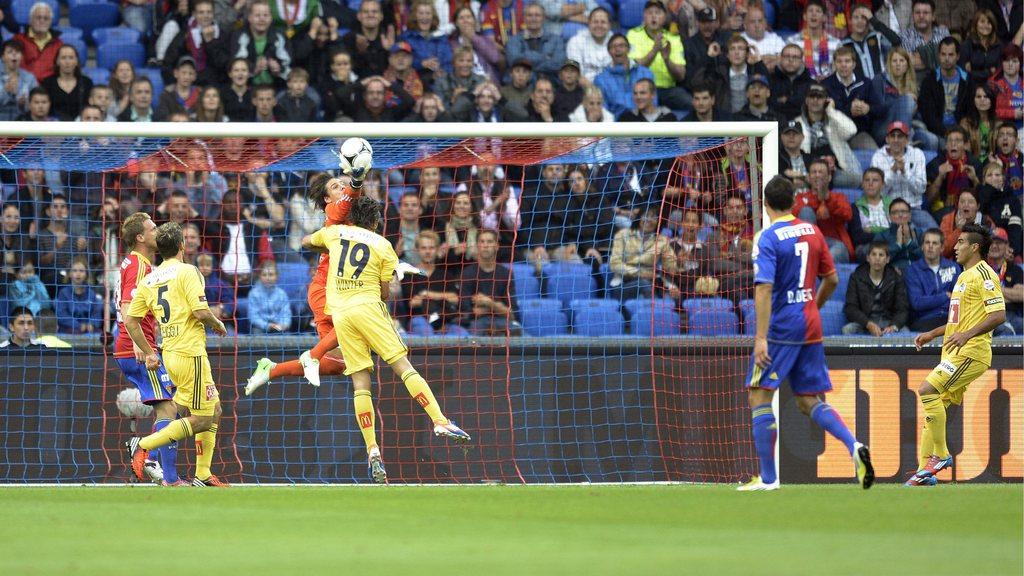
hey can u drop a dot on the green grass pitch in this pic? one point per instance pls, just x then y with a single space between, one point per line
522 530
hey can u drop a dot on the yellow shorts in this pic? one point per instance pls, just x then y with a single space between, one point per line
952 376
196 390
364 328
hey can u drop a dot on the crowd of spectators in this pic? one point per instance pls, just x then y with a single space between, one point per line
900 121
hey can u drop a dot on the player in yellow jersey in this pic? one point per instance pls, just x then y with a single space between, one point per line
975 309
174 292
361 265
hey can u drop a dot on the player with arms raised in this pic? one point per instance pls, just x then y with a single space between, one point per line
789 256
155 387
975 309
362 264
174 294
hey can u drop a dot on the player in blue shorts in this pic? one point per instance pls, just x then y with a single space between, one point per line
789 256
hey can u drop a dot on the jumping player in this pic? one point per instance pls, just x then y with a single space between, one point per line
155 387
362 264
789 256
173 293
975 309
335 198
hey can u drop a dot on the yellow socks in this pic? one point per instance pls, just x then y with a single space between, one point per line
926 448
177 430
365 417
205 443
935 422
420 392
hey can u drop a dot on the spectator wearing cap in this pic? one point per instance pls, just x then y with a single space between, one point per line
930 282
999 202
968 211
264 47
400 69
788 83
501 20
180 96
461 81
432 54
545 52
853 96
653 45
40 42
793 161
942 90
1007 84
950 173
826 135
590 47
644 107
767 44
871 46
815 41
200 30
569 91
369 43
730 79
756 109
706 47
1011 277
17 82
904 169
922 39
489 57
616 81
829 209
518 88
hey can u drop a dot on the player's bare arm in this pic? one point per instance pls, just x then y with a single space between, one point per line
828 286
139 355
763 310
958 339
385 290
210 320
133 325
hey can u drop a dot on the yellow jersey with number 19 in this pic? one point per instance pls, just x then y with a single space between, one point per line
975 295
172 291
359 261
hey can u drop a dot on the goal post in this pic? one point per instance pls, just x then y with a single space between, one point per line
595 373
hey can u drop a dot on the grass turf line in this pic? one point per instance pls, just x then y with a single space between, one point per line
494 530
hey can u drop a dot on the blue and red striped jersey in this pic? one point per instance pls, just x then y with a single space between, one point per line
791 255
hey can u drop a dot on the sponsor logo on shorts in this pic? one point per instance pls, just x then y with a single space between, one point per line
211 392
165 378
947 366
422 399
365 419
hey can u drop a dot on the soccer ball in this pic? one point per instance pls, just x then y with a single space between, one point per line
129 404
356 157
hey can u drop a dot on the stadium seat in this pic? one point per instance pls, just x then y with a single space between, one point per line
543 317
749 316
155 77
832 318
89 17
107 55
631 13
654 321
576 306
242 315
864 157
69 32
420 326
597 320
568 282
569 29
929 155
639 304
693 304
121 34
526 283
293 277
97 75
707 322
21 9
852 194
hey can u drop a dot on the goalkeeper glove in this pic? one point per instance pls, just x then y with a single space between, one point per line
404 268
356 168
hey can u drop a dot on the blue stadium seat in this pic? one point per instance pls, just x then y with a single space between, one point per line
631 13
929 155
155 77
420 326
864 157
693 304
67 32
569 29
568 282
844 271
543 317
705 322
597 320
852 194
73 3
527 285
107 55
293 278
832 318
242 315
89 17
636 305
749 316
97 75
21 9
654 321
121 34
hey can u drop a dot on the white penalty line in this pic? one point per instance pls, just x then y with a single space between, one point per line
393 484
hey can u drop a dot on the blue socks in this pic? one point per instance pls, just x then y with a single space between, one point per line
765 435
167 455
830 421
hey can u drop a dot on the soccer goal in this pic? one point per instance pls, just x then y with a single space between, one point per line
602 336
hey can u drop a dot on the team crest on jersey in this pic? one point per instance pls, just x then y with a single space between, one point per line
989 285
961 287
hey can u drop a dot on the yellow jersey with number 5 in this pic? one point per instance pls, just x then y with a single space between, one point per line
975 295
359 261
172 291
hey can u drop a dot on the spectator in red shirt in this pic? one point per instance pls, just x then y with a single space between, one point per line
828 209
41 42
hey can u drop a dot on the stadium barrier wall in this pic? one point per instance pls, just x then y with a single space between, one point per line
554 412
